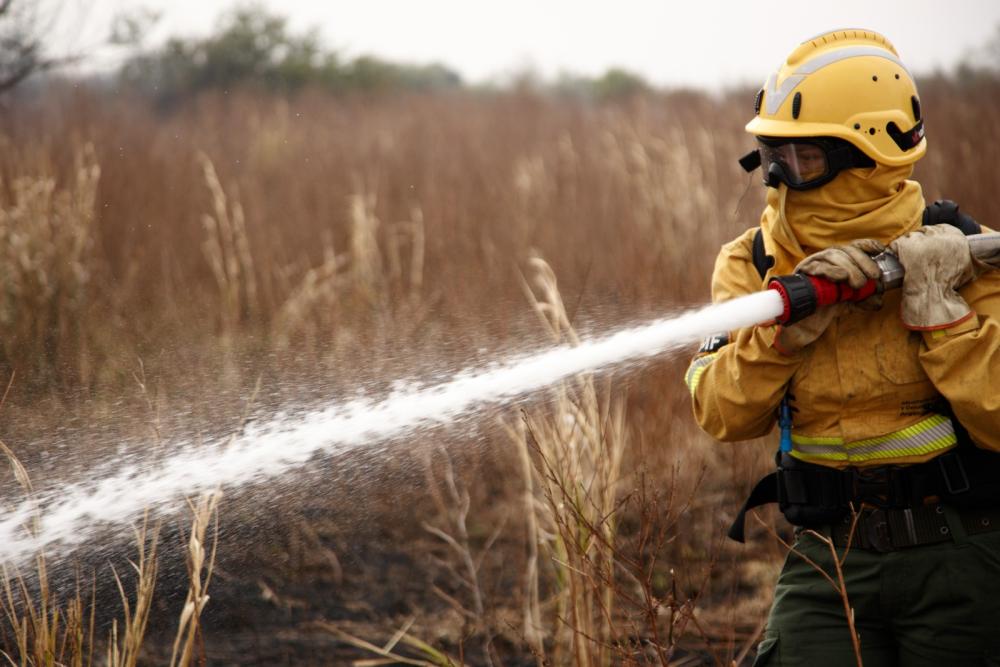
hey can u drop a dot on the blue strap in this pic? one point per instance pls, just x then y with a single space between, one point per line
785 423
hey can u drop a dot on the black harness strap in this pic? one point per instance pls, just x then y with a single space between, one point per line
945 212
765 491
761 260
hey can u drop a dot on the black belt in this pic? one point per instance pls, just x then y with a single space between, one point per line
887 530
813 495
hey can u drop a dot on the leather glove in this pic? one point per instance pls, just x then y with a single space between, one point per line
851 264
937 261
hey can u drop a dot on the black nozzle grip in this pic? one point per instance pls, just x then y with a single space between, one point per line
798 295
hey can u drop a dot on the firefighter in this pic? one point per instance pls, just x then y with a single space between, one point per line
889 410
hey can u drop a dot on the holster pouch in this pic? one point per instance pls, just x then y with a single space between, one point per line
806 493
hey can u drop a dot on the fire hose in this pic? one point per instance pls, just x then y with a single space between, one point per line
802 294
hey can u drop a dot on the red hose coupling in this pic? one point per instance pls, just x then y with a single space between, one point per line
802 294
829 293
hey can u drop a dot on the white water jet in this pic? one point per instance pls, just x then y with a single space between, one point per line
66 518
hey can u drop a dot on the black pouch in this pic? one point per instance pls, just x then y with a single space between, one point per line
810 495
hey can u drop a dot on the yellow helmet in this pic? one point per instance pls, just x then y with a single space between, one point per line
847 84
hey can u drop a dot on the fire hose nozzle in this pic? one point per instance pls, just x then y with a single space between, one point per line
802 294
798 296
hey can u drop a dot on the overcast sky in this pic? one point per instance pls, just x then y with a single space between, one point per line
703 43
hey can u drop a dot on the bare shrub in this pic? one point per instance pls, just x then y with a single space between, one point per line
47 272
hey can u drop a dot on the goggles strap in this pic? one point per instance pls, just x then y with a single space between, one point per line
751 160
846 156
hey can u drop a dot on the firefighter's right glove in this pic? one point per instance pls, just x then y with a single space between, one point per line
937 261
852 264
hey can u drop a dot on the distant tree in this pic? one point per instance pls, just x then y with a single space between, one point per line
615 83
22 33
618 83
130 28
370 73
253 47
979 64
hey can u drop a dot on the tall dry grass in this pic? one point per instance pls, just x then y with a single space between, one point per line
324 242
614 599
580 441
324 226
48 266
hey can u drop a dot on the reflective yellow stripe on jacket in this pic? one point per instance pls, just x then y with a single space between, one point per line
929 435
696 369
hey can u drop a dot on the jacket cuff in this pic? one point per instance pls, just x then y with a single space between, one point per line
771 336
939 336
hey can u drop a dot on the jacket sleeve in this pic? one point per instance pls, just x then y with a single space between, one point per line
963 362
736 389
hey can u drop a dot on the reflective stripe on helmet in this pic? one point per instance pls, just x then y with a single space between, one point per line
695 370
929 435
775 98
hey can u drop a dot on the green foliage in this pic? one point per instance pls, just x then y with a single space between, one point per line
614 84
253 47
617 83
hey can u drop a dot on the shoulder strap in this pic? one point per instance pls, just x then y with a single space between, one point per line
761 260
945 212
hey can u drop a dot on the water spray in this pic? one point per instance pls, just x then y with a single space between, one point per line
59 521
68 517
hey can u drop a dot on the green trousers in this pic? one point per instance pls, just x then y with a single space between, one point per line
935 605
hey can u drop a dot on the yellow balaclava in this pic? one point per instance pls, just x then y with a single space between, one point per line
877 203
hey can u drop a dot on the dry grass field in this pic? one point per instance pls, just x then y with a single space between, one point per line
166 274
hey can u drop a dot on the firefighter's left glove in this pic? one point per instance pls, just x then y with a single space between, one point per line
936 261
851 264
790 339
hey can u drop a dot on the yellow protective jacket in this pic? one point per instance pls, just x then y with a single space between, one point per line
868 391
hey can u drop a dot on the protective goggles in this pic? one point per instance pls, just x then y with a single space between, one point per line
803 163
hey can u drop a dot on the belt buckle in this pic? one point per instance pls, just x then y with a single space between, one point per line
876 530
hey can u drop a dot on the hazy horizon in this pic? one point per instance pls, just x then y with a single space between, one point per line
707 46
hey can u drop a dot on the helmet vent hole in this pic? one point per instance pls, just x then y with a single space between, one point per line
796 105
757 101
857 126
871 130
897 77
916 107
874 78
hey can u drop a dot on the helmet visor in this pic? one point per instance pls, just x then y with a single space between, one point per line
800 163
